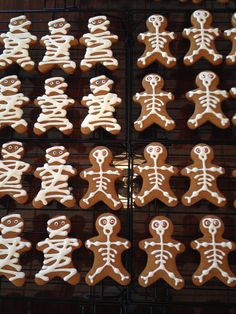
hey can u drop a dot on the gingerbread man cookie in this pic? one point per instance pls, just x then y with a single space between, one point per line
54 175
153 101
203 174
12 170
10 104
207 99
54 104
57 250
161 252
202 39
98 44
101 104
233 94
234 175
101 178
12 245
156 175
57 46
231 35
157 41
214 251
107 248
17 43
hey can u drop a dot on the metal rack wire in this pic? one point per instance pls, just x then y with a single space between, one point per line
127 20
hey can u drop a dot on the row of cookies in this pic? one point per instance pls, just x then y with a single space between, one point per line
107 247
200 1
101 104
99 40
101 177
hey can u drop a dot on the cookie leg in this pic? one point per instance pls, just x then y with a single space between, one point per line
5 61
68 68
25 62
45 67
70 202
85 65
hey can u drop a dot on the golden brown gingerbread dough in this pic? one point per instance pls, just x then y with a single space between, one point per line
157 40
57 250
213 250
153 101
233 94
161 252
203 174
156 174
107 248
202 39
231 35
101 178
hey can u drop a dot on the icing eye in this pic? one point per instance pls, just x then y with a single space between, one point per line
197 150
160 18
16 221
51 83
150 149
104 153
207 223
58 82
103 81
97 82
152 19
12 81
206 150
54 152
60 152
164 224
148 78
216 222
16 147
10 146
94 22
103 222
112 221
95 154
55 25
158 149
60 24
15 23
156 224
63 223
56 224
8 221
5 82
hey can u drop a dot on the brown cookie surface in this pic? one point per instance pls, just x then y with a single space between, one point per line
233 94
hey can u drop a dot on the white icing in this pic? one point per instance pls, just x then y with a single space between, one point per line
231 34
17 44
16 228
98 43
203 37
154 102
107 249
13 88
233 94
54 107
209 100
13 154
154 175
157 40
161 253
214 254
62 29
101 108
204 176
101 177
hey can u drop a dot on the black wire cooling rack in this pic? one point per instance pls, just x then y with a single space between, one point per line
127 21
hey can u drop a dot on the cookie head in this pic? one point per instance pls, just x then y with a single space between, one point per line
156 21
10 84
107 224
58 226
59 26
11 225
152 82
201 18
207 80
202 152
98 23
12 150
211 225
55 86
57 155
100 155
160 225
101 85
19 24
155 151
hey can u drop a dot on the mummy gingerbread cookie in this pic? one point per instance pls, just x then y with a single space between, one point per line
57 250
202 39
153 101
54 104
107 248
57 46
203 174
12 245
231 35
161 252
101 178
233 94
156 175
101 104
207 99
98 44
157 41
10 104
213 250
17 43
55 175
12 170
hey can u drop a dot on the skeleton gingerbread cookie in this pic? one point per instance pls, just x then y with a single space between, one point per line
101 104
12 170
156 175
54 104
10 104
107 248
157 41
153 101
233 94
17 43
55 175
231 35
202 39
57 46
161 252
203 174
57 250
101 178
12 245
207 99
214 251
98 44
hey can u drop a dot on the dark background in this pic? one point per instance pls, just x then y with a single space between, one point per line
127 21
